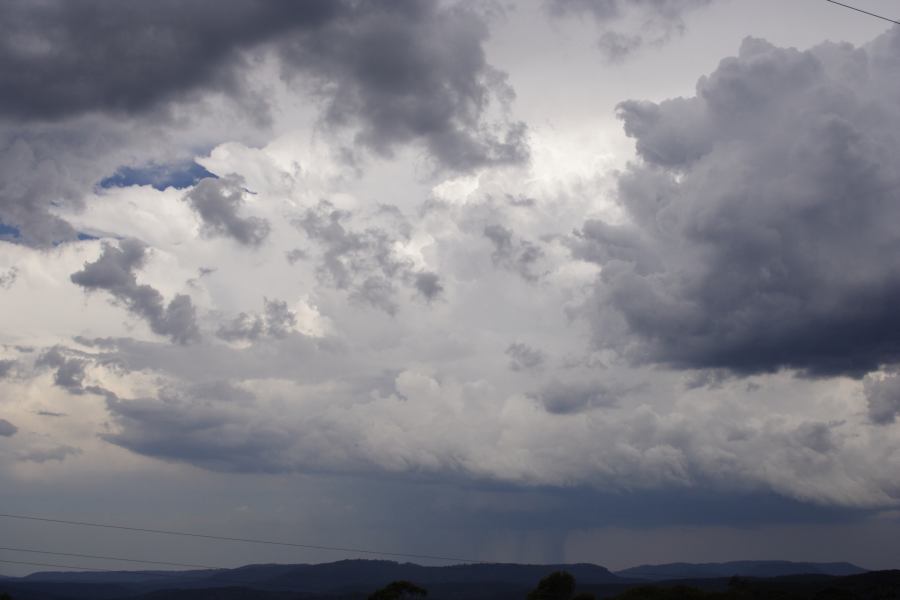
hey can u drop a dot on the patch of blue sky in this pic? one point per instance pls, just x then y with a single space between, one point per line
8 231
161 177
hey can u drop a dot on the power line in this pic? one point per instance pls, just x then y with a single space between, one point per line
240 539
149 574
37 564
232 578
865 12
130 560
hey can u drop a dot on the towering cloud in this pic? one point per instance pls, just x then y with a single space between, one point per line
763 225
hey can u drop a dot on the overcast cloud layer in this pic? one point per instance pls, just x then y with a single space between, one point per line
260 250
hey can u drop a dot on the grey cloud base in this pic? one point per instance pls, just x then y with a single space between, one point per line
763 228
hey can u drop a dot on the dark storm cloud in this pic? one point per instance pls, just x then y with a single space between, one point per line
763 222
523 357
560 397
60 58
211 425
217 202
409 70
657 21
364 260
7 429
84 79
277 321
114 272
404 70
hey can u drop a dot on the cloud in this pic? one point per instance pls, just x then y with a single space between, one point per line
70 372
53 453
758 219
428 285
593 436
8 278
523 357
211 425
519 256
410 70
217 202
59 60
277 321
388 73
883 398
50 413
113 272
7 429
656 20
7 367
571 397
402 70
31 179
366 261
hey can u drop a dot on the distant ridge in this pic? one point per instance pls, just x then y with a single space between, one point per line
743 568
340 576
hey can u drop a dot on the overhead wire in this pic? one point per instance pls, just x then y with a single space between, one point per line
241 539
865 12
54 566
146 575
115 558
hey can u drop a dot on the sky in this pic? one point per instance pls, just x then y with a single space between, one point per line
534 281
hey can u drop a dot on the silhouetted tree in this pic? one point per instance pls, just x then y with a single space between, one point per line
398 590
558 585
584 596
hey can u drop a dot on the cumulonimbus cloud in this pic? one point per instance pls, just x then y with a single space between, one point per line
762 217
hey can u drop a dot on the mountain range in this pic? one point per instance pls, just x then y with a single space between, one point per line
358 578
